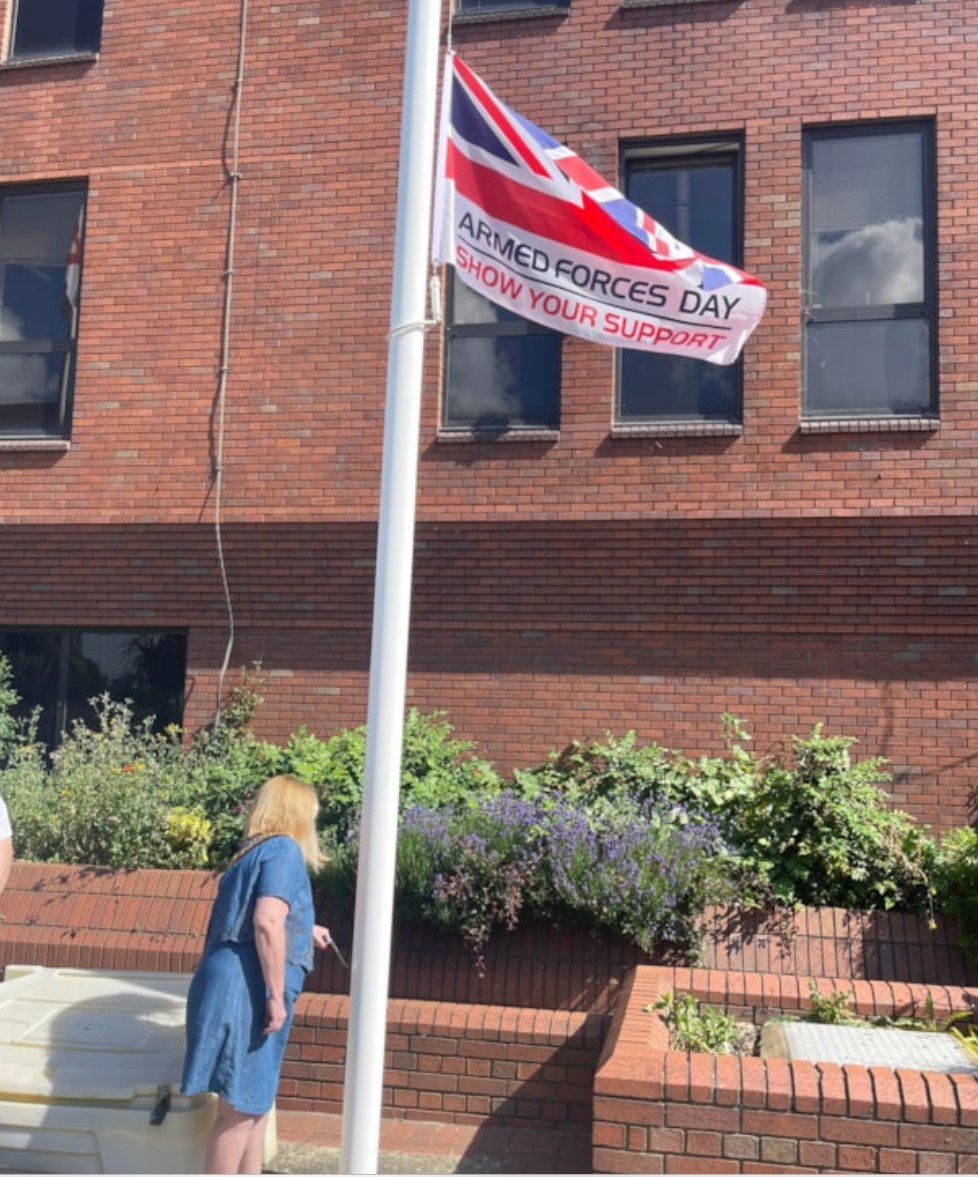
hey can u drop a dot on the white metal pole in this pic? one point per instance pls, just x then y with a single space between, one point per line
370 966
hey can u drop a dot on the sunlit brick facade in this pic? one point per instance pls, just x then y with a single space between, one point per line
793 567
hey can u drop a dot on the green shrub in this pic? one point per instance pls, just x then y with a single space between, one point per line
633 838
188 834
820 831
13 733
710 786
436 769
957 885
105 798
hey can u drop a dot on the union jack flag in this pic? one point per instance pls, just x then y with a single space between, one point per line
530 225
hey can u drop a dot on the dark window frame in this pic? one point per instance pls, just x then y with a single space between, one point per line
67 348
925 310
665 154
512 328
65 51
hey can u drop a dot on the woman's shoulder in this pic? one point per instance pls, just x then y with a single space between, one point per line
278 846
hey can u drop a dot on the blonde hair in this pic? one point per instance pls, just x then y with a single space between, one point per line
286 805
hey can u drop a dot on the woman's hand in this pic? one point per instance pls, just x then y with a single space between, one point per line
320 936
274 1015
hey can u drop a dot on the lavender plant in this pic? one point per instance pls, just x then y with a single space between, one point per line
631 867
624 865
473 867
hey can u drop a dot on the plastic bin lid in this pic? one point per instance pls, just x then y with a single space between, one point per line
88 1034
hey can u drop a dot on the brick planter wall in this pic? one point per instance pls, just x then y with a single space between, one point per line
453 1063
663 1111
90 917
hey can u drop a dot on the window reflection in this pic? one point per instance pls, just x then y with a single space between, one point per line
503 381
659 387
502 371
692 191
857 367
52 28
59 672
40 269
873 266
869 310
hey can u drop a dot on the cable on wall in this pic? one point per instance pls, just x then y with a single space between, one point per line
233 177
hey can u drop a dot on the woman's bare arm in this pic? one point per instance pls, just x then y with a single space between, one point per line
270 913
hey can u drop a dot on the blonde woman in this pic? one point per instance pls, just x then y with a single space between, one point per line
259 947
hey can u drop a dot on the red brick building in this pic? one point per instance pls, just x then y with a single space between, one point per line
602 543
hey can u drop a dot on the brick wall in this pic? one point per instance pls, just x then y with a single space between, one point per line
462 1064
663 1111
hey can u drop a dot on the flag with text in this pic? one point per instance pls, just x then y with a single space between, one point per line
529 225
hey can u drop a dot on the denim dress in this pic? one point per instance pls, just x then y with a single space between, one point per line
227 1053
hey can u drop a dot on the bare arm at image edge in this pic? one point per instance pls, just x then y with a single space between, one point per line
270 913
6 861
6 846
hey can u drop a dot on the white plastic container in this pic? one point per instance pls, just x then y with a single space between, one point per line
88 1061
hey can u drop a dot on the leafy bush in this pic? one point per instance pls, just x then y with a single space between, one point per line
814 827
106 798
819 830
710 786
957 885
437 769
612 834
698 1027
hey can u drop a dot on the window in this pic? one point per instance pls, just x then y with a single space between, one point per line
694 190
40 274
502 372
56 28
60 671
507 5
869 312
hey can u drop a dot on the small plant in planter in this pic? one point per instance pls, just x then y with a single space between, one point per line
702 1028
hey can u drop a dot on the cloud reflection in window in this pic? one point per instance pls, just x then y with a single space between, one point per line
877 265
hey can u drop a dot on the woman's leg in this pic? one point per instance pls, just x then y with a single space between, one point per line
231 1145
255 1148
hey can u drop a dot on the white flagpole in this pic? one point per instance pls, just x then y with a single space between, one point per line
370 966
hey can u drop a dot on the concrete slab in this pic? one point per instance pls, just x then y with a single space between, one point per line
870 1046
